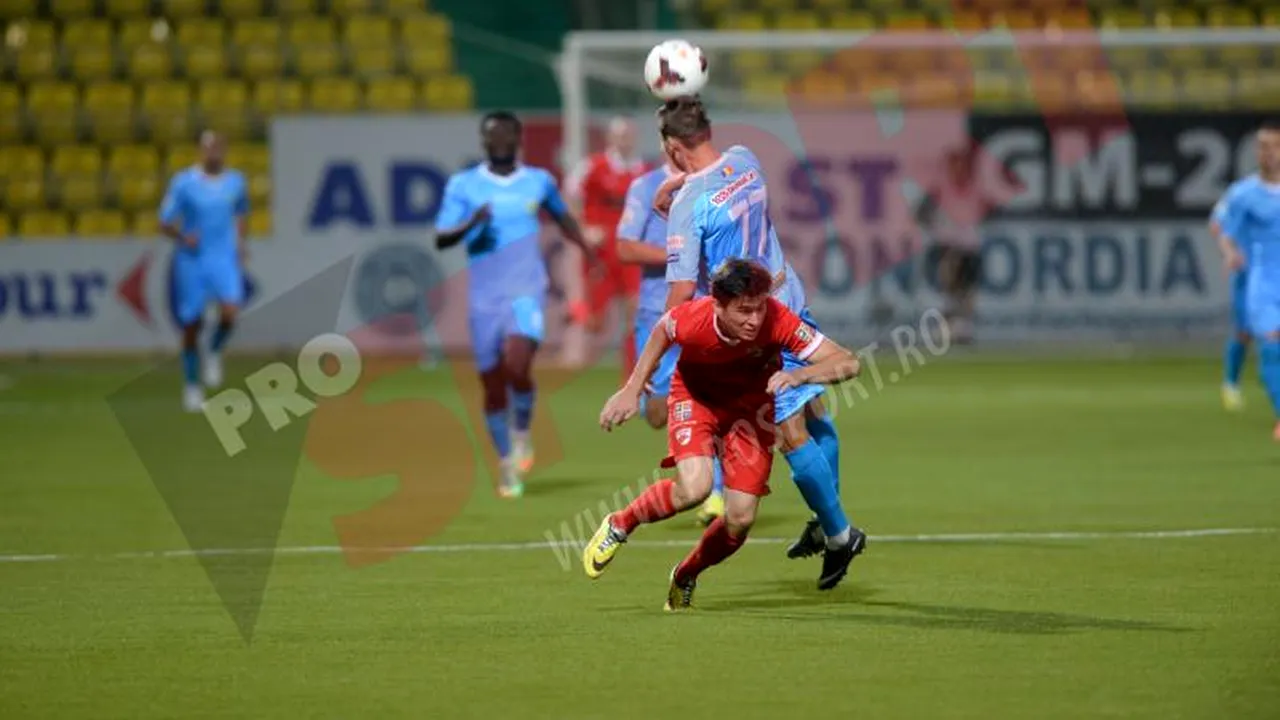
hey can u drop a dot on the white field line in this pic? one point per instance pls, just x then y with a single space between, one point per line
1064 535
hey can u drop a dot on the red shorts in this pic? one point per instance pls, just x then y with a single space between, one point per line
610 279
743 439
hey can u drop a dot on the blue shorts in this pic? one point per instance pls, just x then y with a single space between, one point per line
199 280
1264 312
792 401
1239 302
492 325
661 379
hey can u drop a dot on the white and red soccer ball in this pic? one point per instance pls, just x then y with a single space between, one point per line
675 68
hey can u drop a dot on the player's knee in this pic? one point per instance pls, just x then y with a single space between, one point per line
655 412
191 334
694 478
1244 338
792 433
227 314
739 519
494 386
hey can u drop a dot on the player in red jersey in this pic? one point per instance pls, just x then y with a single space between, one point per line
721 404
599 187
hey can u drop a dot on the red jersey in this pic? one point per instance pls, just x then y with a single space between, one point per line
600 182
719 372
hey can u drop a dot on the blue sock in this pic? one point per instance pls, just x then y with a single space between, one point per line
498 431
523 405
220 335
812 475
823 430
717 476
191 366
1270 371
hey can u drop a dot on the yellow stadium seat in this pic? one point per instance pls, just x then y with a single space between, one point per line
448 92
180 157
1015 19
309 31
390 95
110 112
201 31
823 88
31 34
1207 88
92 62
167 108
181 8
35 64
25 192
255 32
1186 56
126 160
53 112
222 95
250 158
742 20
1121 19
17 9
798 62
21 161
400 8
237 9
907 21
428 59
259 188
855 60
797 20
1068 19
350 7
333 95
136 33
278 96
260 61
765 89
991 88
851 20
965 21
234 124
933 91
424 29
260 223
1150 88
205 62
165 96
150 62
127 8
316 60
1128 58
144 224
10 117
746 62
76 160
6 227
67 9
1239 56
100 223
1220 16
86 33
138 192
1255 89
295 7
373 61
1176 18
367 30
80 192
1270 17
43 224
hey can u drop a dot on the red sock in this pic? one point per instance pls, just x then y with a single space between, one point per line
628 354
653 505
715 546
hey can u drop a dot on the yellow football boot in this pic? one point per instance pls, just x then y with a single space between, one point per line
598 553
1232 398
711 508
679 595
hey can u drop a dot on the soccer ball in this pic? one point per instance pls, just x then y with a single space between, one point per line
675 68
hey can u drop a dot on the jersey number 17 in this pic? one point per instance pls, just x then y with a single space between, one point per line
755 225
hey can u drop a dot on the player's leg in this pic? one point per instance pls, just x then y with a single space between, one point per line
227 283
1237 349
968 273
520 346
823 431
1265 316
190 296
487 328
629 284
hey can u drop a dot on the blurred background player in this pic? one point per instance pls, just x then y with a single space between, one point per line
728 375
642 240
598 190
1251 226
1236 262
952 212
492 208
204 211
721 212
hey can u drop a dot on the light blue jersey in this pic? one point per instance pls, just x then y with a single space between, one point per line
1239 278
1251 218
208 208
640 223
508 277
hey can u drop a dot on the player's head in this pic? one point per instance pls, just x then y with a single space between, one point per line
500 136
1269 149
621 136
685 129
741 291
213 151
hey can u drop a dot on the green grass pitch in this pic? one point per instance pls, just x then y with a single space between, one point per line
1007 576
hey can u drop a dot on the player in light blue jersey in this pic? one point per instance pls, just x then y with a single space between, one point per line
1238 342
1251 226
642 240
204 211
492 209
720 212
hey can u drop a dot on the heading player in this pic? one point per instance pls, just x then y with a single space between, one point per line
204 211
721 211
1251 227
492 208
599 186
1236 261
722 397
642 240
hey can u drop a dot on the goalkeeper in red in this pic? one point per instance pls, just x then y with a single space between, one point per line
721 404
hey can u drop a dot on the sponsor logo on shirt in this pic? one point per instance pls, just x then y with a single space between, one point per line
732 188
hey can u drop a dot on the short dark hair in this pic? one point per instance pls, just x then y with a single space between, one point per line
501 116
1272 125
685 119
740 278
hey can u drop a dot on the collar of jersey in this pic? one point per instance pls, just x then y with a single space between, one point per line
715 325
501 179
719 161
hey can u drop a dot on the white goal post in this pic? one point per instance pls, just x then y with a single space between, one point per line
602 71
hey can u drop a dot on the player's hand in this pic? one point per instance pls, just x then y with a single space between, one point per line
190 241
667 194
620 408
482 215
782 380
1233 260
594 235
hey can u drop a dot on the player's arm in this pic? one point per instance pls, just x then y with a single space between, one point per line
1225 224
828 362
171 213
625 403
636 217
555 206
242 220
457 218
684 248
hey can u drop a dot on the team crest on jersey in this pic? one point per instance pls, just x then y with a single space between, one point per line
727 171
682 411
675 242
684 435
804 333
